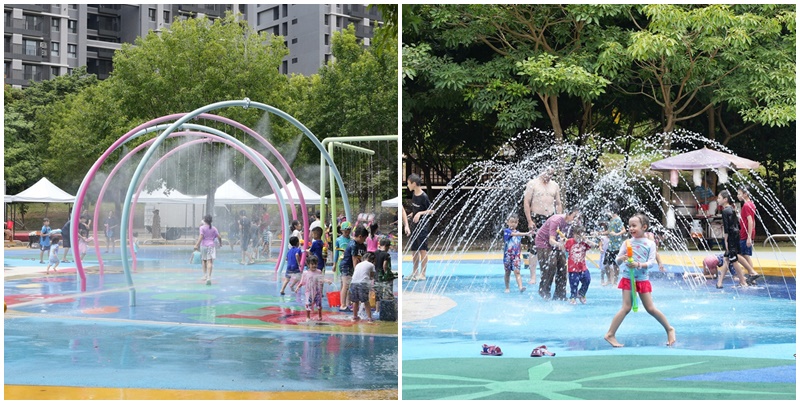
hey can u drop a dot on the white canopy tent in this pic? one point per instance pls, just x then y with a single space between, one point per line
43 191
310 197
391 203
161 195
230 193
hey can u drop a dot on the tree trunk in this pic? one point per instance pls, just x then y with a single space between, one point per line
712 123
558 132
586 120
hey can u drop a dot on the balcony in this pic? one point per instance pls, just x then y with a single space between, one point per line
361 11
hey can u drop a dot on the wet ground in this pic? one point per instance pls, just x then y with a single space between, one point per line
236 335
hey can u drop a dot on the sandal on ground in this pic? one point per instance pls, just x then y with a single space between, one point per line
541 351
491 350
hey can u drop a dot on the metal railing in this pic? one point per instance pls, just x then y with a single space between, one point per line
774 236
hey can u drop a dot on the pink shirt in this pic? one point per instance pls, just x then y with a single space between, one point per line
372 244
209 233
550 229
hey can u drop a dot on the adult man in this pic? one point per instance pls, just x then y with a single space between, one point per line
420 206
704 194
550 252
541 200
747 232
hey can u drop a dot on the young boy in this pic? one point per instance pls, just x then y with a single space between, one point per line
350 258
730 230
363 275
313 281
293 259
341 243
384 276
53 254
576 264
616 234
511 251
44 239
316 248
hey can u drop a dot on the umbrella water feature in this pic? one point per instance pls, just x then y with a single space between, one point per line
461 304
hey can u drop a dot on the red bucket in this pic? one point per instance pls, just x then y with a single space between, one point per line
334 299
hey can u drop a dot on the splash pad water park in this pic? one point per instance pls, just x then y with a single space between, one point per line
139 324
732 343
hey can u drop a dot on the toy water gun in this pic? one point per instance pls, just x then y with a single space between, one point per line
633 277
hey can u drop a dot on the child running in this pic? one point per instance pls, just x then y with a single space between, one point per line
293 259
576 264
644 256
313 281
53 255
512 240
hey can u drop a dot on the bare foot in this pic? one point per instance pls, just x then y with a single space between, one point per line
671 336
532 282
613 341
507 291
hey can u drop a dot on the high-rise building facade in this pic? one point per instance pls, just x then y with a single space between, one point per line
42 41
308 29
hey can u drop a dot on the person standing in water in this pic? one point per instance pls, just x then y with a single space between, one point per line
542 199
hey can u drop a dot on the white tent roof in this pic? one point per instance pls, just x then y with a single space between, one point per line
43 191
162 196
311 197
230 193
8 198
391 203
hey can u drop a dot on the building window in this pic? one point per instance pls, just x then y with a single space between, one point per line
55 23
285 67
285 29
32 72
294 60
327 39
285 10
294 21
275 30
294 40
54 71
338 22
55 47
30 47
151 13
327 58
72 26
7 43
7 16
8 69
275 13
166 17
33 22
327 19
69 70
72 51
73 6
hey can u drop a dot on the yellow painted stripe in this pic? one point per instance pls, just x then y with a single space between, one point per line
20 392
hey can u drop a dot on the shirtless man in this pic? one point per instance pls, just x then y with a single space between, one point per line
541 200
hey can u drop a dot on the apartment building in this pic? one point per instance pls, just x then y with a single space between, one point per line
42 41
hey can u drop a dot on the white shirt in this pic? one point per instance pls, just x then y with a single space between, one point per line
362 271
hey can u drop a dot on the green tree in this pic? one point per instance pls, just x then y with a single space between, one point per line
356 95
199 62
26 133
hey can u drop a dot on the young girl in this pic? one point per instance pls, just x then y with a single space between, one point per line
644 256
313 281
576 264
512 240
53 255
730 230
373 238
205 244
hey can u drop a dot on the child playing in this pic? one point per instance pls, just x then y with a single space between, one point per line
53 254
603 244
576 264
206 246
373 238
293 259
512 240
730 230
313 281
616 231
351 257
341 243
316 249
363 274
266 239
644 256
44 239
384 274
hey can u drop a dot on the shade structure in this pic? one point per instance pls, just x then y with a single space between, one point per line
162 195
43 191
310 197
8 198
703 159
391 203
230 193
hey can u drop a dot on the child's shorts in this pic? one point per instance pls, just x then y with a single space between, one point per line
54 261
359 292
641 286
511 264
292 273
208 253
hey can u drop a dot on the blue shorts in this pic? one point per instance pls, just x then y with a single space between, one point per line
744 249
